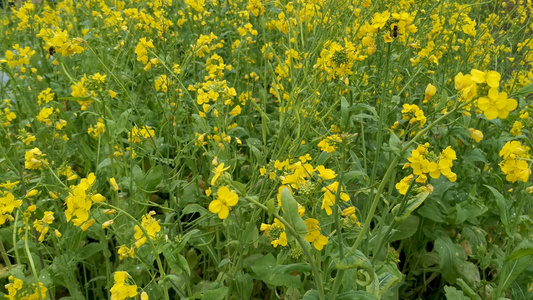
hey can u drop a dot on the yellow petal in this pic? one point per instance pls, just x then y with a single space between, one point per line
493 79
478 76
215 206
224 212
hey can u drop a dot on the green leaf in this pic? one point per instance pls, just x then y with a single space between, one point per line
311 295
349 176
509 272
388 276
89 250
524 92
216 294
468 290
451 256
394 143
474 156
454 294
355 295
351 295
405 229
412 204
176 261
358 261
266 270
432 212
344 113
502 205
153 178
524 249
290 209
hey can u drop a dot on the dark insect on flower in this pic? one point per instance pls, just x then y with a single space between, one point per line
395 31
51 50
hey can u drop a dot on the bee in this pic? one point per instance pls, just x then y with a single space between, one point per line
395 31
51 50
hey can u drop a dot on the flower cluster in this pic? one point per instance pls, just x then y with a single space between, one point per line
275 231
34 159
120 290
349 218
79 202
42 225
6 117
329 197
514 164
151 226
414 114
17 290
7 204
329 144
60 42
136 135
337 60
313 234
424 163
19 57
142 53
494 104
98 129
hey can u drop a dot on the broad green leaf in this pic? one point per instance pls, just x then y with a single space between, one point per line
451 256
509 272
344 113
176 261
432 212
524 249
245 285
351 295
217 294
405 229
468 290
524 92
358 261
388 276
268 271
89 250
412 204
153 178
357 295
394 143
502 205
290 213
474 156
311 295
349 176
454 294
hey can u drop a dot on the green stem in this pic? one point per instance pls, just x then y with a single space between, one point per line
336 214
4 256
303 245
381 115
393 164
32 264
150 242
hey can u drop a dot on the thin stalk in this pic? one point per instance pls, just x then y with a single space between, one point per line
381 114
303 245
150 242
393 164
336 214
32 264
